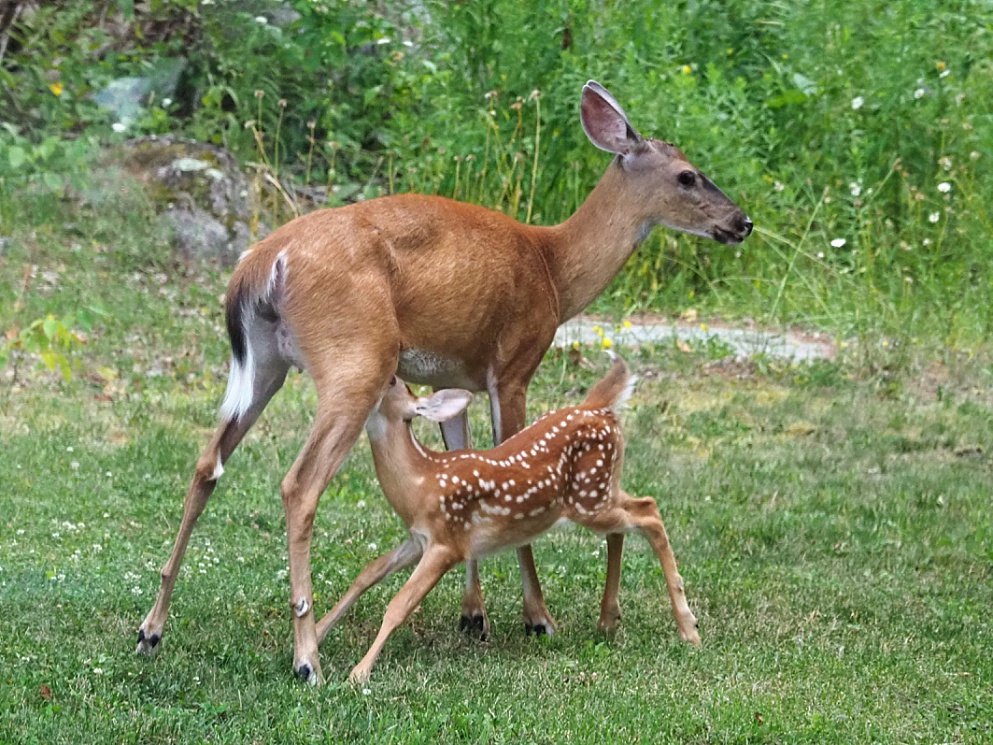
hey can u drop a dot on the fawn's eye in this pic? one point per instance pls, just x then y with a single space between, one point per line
393 381
687 178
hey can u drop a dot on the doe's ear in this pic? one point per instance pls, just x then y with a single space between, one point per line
605 122
443 405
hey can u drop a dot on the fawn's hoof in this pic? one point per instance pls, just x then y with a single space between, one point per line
307 674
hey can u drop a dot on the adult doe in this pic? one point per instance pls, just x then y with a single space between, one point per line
445 293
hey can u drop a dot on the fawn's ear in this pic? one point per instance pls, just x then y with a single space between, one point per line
443 405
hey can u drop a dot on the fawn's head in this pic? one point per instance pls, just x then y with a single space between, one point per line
399 405
672 190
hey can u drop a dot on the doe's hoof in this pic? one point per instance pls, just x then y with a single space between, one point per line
538 629
475 625
147 645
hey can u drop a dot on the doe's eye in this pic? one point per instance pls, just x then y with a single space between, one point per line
687 178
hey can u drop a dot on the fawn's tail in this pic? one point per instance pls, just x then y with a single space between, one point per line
614 390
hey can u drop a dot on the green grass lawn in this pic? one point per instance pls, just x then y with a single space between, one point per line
832 523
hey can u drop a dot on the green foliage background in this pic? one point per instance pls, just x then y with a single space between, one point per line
829 121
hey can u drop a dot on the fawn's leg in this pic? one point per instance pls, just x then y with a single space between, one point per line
628 513
375 572
610 609
433 564
649 523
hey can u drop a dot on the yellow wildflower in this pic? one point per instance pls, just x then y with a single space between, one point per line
56 88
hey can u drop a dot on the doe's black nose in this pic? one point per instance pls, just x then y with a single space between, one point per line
746 226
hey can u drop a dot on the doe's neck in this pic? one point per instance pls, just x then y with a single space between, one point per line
587 251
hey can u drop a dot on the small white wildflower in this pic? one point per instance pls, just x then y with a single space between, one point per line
384 40
97 547
240 559
919 93
56 535
360 504
820 254
136 590
838 242
98 671
106 515
74 465
944 73
944 187
857 102
119 127
934 217
366 691
167 102
372 547
69 449
926 241
261 20
778 186
855 188
908 280
20 531
109 474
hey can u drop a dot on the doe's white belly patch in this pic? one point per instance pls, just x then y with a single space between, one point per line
430 368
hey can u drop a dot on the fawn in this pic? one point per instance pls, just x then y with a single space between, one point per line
466 504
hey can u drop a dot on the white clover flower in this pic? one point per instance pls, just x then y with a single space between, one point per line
944 187
838 242
919 93
945 73
167 102
820 254
779 186
855 188
372 547
857 102
98 671
261 20
119 127
934 217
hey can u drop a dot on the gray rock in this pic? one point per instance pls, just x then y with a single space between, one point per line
201 191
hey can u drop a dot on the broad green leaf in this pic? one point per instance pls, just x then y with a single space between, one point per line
16 156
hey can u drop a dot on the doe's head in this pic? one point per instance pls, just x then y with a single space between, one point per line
674 192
